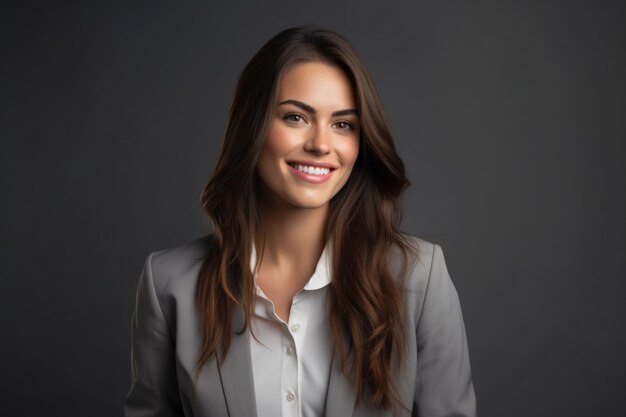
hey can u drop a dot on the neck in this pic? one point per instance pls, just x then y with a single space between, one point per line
293 235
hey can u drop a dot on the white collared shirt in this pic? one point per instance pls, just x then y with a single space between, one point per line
291 367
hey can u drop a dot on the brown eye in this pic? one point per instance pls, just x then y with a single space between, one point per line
344 126
293 117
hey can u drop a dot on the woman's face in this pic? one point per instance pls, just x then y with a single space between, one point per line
313 140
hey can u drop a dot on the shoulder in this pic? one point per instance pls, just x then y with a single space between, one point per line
422 257
178 266
428 284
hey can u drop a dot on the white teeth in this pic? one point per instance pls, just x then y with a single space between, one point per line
311 170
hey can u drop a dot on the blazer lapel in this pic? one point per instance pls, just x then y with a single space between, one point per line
236 371
340 399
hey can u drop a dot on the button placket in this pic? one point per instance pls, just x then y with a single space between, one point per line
298 318
289 380
293 332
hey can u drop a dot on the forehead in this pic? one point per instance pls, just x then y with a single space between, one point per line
319 84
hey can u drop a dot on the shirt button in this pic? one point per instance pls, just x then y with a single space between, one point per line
295 328
290 396
289 350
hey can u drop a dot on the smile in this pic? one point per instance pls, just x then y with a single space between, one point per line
311 174
310 169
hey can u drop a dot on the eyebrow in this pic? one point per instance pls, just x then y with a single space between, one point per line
310 109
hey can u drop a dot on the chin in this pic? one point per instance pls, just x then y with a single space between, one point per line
312 203
309 204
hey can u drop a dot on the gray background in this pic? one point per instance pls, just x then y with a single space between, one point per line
509 115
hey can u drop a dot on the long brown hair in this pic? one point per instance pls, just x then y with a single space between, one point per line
365 303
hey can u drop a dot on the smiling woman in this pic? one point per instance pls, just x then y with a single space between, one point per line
313 139
306 300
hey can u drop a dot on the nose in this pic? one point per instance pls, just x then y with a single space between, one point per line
319 141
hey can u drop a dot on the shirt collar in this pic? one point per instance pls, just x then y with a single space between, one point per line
320 278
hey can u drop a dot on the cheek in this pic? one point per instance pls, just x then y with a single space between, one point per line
274 147
280 140
349 151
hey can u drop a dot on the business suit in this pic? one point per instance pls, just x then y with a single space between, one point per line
435 379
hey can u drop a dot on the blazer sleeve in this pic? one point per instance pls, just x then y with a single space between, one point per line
444 385
154 387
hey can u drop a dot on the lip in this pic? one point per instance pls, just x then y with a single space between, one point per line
315 179
313 164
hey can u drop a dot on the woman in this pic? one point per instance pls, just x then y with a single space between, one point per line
306 300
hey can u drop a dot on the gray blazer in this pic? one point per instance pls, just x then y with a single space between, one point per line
435 381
